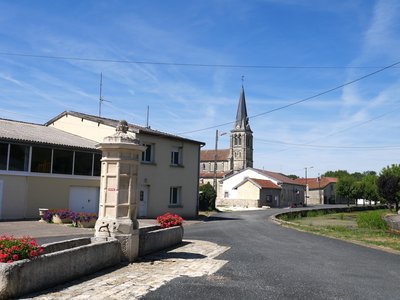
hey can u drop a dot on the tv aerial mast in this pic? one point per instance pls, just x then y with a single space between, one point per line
101 99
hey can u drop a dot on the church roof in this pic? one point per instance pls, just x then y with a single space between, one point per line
211 175
242 120
209 155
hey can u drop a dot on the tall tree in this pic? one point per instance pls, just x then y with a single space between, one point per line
370 187
345 188
389 185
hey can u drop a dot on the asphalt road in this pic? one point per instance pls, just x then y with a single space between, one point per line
267 261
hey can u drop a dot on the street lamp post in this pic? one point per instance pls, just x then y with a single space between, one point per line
306 197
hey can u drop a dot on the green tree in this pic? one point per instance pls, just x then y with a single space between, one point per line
370 187
207 197
346 188
337 174
389 185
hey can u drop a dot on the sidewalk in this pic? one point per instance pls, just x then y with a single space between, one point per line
132 281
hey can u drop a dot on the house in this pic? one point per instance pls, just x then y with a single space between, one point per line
321 190
168 178
43 167
169 171
256 188
216 164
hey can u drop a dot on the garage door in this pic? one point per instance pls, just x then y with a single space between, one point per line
84 199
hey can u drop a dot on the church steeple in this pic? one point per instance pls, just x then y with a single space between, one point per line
242 120
241 150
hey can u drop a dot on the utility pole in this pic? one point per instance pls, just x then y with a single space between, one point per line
215 183
306 197
215 160
319 189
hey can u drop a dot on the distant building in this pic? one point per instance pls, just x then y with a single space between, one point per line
256 188
320 190
217 165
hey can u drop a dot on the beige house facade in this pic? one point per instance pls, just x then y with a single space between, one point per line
321 190
169 171
256 188
57 165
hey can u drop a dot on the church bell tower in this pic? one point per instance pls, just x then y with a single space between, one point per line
241 148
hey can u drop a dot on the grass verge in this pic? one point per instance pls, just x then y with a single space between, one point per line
367 228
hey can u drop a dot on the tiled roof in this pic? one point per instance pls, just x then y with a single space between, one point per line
278 176
209 155
211 174
16 131
313 183
114 123
265 184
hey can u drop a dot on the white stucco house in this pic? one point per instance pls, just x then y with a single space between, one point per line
256 188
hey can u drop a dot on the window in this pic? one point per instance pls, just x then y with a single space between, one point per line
19 158
97 165
175 195
147 155
3 156
176 156
62 161
41 160
226 194
269 198
83 163
204 167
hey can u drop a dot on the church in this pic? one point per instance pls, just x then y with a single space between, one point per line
231 173
219 163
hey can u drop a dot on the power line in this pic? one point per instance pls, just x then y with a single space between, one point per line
182 64
338 132
331 146
302 100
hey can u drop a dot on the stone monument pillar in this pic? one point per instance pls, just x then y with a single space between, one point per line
118 190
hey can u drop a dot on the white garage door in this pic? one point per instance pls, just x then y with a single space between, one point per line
84 199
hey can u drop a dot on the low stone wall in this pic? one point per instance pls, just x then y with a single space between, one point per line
154 238
303 211
71 259
53 268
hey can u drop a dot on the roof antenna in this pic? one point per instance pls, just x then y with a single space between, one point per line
242 80
147 117
101 99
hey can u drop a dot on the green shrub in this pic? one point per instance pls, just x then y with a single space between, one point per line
371 220
207 197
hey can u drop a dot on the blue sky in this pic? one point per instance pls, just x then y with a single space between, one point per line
355 128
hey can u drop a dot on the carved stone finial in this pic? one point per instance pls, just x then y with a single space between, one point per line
122 126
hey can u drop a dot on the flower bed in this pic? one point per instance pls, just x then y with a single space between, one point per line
64 216
84 220
13 249
169 220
